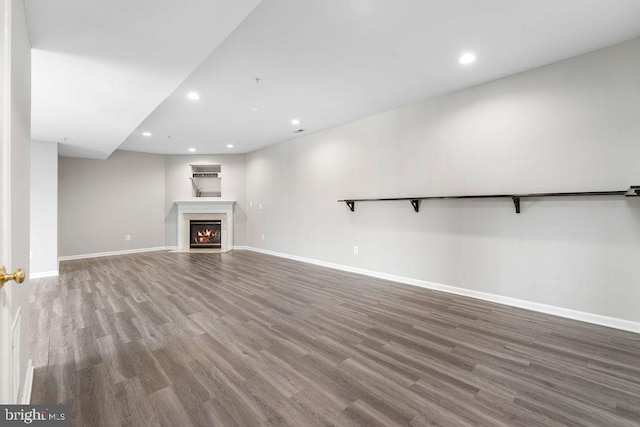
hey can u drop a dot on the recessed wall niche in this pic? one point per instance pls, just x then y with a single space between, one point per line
206 180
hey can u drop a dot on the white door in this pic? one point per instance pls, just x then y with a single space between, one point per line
15 111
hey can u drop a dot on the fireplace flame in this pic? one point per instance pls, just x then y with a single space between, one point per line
206 236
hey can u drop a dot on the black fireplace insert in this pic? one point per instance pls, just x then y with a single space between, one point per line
205 234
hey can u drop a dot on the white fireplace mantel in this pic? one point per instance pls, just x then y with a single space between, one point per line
204 205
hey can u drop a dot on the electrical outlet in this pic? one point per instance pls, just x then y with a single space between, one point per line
263 237
355 250
127 237
260 206
250 203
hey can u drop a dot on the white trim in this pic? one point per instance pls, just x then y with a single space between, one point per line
102 254
43 274
597 319
28 385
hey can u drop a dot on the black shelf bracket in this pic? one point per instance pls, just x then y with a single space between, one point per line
516 203
632 191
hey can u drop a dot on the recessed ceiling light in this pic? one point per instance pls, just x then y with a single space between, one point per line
295 122
254 109
146 133
467 58
193 96
193 150
229 145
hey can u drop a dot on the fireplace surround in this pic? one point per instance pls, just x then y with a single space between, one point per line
204 209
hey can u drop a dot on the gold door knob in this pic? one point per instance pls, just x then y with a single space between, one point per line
18 276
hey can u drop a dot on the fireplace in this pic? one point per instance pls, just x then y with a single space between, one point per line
205 234
204 209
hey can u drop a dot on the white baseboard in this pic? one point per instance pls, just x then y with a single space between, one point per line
28 385
43 274
103 254
597 319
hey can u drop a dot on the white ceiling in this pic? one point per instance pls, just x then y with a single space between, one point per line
99 67
106 71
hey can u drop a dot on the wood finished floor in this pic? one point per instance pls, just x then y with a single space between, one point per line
245 339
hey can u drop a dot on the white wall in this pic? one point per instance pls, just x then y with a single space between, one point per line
101 201
134 193
44 209
570 126
178 186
